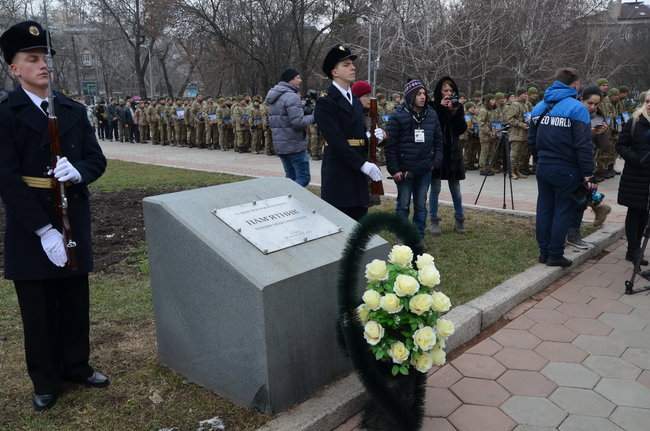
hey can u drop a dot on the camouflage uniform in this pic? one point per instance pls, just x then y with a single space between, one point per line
240 124
257 133
268 139
143 124
472 143
488 138
199 123
153 120
516 117
210 115
225 126
189 125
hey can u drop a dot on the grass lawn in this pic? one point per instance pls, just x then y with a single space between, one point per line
147 396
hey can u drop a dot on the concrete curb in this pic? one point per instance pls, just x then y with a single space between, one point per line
341 400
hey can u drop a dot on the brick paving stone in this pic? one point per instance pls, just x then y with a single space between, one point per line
587 423
639 357
516 338
440 402
479 391
588 326
609 366
444 377
520 359
579 310
598 345
602 292
533 428
527 383
590 279
533 411
520 309
641 313
561 352
436 424
548 303
573 375
487 347
481 367
631 419
644 378
521 322
483 418
351 424
582 402
630 338
637 301
547 316
624 392
627 322
570 295
553 332
610 306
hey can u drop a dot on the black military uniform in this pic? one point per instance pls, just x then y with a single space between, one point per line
342 124
53 301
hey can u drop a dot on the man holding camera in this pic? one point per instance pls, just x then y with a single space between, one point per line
288 122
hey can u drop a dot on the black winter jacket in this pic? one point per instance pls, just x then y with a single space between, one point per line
634 146
453 125
403 154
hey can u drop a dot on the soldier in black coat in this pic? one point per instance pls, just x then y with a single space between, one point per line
53 298
345 171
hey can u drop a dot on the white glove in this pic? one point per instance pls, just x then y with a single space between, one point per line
371 170
64 171
379 134
52 243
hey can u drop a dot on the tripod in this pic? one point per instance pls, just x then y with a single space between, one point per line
629 284
503 151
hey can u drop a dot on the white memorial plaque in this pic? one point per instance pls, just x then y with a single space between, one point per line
277 223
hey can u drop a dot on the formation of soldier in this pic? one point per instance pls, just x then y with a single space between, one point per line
241 124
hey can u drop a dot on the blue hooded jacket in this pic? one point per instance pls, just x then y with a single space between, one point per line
563 135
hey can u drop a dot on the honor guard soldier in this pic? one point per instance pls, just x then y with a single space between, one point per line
345 171
52 290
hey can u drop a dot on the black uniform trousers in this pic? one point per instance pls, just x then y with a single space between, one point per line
56 324
636 220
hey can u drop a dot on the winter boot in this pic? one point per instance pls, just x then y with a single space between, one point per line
601 211
435 227
459 227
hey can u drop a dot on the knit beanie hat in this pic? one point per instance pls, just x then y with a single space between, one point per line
361 88
411 89
289 74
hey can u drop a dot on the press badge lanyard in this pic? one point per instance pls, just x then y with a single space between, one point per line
418 132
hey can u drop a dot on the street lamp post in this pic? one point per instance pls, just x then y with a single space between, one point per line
150 69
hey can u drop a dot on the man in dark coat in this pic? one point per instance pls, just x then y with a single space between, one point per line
452 122
53 297
634 146
339 116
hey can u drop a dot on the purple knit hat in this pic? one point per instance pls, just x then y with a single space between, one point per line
411 90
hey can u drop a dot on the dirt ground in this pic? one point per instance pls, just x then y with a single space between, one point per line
117 223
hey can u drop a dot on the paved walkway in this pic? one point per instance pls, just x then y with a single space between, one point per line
574 358
256 165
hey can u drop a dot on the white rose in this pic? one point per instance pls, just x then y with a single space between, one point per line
429 276
372 298
420 303
438 356
441 302
442 343
425 338
398 352
373 332
376 270
391 303
422 362
424 260
362 312
405 285
445 327
401 255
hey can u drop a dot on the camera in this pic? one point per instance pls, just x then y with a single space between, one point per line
455 102
310 100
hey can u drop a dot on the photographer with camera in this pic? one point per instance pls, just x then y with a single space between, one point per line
288 122
633 192
560 136
451 115
413 150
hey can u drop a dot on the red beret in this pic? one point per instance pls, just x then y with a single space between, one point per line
361 88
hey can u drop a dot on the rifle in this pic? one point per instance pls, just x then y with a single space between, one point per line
376 187
60 197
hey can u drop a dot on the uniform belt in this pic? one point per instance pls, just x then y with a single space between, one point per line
355 142
40 182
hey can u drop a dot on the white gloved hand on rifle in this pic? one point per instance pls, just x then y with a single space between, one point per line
379 134
53 246
64 171
371 170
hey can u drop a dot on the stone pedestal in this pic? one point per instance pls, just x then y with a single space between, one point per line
257 329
